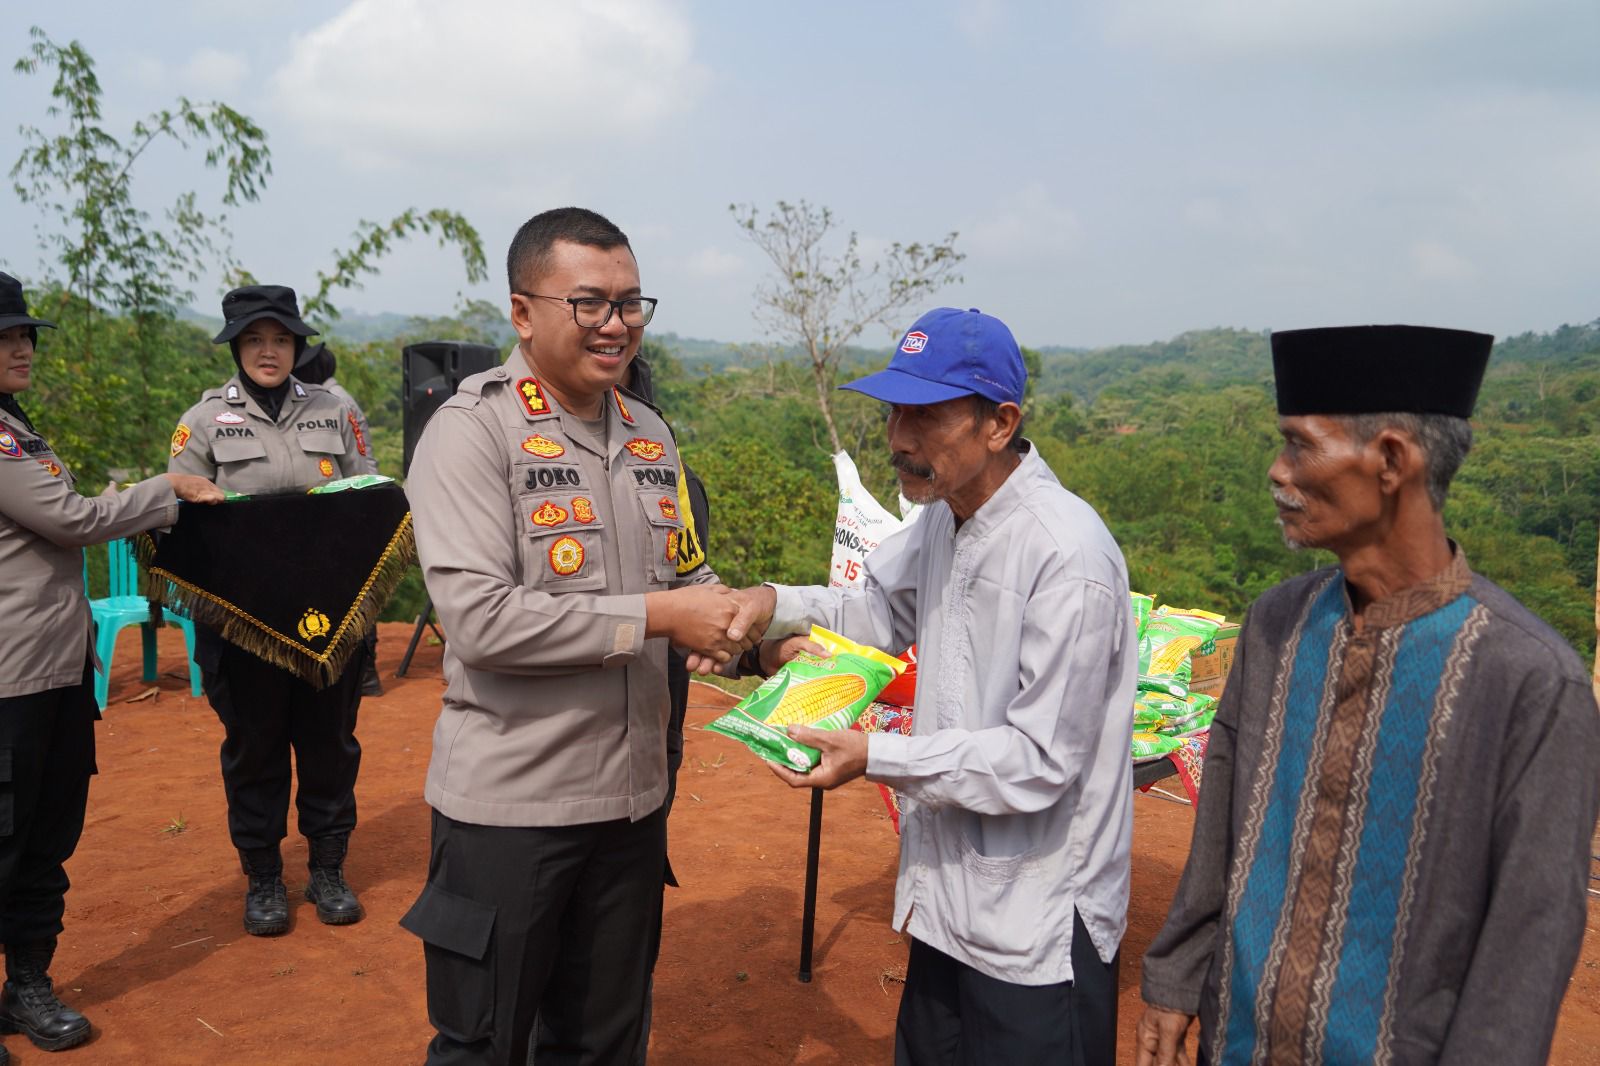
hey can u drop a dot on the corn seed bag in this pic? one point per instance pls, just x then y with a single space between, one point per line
1169 638
823 693
1141 609
1147 746
354 481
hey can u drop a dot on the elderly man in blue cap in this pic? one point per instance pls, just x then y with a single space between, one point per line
1015 783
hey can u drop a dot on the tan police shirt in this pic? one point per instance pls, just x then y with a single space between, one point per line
228 438
44 526
538 549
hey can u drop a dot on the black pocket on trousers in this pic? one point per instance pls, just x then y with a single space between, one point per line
456 933
7 794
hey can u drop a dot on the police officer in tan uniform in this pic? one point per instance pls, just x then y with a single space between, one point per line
263 432
549 526
47 704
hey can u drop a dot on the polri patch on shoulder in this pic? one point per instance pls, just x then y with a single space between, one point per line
648 450
543 447
566 556
180 439
9 446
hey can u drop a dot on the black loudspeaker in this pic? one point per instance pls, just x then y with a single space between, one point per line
431 373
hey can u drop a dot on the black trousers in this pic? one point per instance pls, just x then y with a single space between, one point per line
46 760
267 712
553 922
952 1015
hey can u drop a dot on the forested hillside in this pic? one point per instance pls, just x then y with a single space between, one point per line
1170 441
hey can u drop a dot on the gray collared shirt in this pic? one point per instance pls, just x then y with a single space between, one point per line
1016 784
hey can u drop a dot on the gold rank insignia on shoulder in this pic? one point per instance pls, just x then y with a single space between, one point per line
669 507
548 515
532 397
622 408
648 450
566 556
313 625
326 466
180 439
543 447
582 509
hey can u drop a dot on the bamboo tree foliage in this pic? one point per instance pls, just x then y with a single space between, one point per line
112 383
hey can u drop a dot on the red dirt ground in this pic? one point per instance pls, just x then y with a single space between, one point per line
155 954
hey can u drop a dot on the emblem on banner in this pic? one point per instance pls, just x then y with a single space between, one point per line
543 447
314 625
566 556
648 450
549 515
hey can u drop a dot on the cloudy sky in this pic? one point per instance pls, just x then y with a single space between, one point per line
1118 170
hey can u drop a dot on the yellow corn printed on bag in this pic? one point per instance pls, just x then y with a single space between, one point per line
823 693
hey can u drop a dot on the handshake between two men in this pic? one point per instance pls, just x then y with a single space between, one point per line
713 625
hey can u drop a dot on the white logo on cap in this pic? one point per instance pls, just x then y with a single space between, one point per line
915 341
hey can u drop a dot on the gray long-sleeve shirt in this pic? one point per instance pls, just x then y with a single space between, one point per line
1015 785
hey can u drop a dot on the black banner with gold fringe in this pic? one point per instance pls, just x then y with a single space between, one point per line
296 580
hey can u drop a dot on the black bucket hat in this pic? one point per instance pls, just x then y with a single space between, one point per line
13 308
252 302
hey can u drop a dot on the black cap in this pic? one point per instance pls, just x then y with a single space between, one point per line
13 308
244 306
1355 370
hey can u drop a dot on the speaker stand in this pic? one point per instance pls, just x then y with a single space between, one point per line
425 619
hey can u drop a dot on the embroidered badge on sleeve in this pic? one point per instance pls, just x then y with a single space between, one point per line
180 439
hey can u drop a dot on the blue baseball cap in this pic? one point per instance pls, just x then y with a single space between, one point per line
949 353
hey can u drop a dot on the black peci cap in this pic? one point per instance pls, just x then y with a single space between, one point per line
1354 370
252 302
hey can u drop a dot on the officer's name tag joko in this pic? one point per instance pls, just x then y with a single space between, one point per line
553 477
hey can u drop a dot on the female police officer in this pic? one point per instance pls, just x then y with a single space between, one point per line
266 432
47 705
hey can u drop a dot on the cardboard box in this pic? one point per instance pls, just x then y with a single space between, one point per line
1213 666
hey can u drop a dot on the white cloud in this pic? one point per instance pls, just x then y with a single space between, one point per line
713 263
211 71
403 80
1437 261
1031 224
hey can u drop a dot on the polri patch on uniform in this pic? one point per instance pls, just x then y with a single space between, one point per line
582 509
548 514
355 427
532 397
622 408
543 447
9 446
180 439
672 546
566 556
228 418
326 466
51 465
669 507
648 450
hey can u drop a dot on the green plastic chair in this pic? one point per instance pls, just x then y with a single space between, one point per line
123 607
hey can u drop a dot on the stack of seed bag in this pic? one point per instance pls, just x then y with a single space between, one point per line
823 693
1164 710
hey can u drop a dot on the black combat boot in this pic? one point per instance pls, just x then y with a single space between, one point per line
28 1003
336 901
266 901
